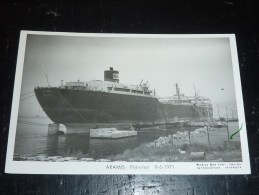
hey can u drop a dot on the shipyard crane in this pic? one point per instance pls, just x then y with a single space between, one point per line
196 96
196 93
140 82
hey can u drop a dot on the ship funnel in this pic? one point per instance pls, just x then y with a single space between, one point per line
111 75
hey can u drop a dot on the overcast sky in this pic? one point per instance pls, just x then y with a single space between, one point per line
204 62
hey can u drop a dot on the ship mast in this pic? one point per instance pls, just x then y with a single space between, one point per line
177 92
196 94
47 80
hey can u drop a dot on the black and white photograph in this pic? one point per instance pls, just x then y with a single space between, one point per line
127 103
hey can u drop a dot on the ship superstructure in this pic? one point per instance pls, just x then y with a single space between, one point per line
201 105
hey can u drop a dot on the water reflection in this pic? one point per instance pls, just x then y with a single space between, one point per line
67 145
102 148
82 145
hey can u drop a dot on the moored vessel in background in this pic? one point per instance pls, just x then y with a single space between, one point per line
81 106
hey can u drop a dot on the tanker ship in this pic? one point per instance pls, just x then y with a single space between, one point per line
96 103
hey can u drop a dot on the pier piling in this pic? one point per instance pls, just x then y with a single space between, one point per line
53 129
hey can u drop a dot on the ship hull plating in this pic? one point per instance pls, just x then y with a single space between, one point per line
83 109
78 106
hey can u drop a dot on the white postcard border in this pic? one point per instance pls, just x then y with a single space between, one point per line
175 168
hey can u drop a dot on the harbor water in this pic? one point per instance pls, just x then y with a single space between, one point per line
32 139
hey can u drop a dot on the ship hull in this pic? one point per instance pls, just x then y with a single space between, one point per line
169 112
80 110
78 106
